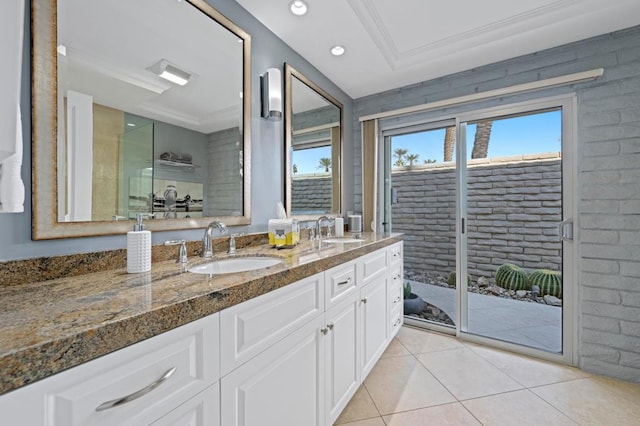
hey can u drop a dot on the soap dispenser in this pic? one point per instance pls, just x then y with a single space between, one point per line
138 248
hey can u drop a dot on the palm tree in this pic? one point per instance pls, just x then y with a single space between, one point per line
449 143
429 161
400 153
325 163
412 158
481 141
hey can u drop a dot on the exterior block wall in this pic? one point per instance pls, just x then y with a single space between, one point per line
513 211
607 152
311 194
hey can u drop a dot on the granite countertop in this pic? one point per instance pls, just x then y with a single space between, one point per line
50 326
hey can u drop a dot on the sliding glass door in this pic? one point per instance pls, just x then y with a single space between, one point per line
485 202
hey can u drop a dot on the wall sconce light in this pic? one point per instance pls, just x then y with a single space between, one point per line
271 88
171 72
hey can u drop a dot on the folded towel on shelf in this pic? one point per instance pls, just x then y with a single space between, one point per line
178 157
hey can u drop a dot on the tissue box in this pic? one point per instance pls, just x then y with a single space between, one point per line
284 233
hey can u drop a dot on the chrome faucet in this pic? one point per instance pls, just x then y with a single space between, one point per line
207 244
319 227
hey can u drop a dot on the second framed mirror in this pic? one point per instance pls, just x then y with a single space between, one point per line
313 148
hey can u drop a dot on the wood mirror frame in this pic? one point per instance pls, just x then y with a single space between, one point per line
45 224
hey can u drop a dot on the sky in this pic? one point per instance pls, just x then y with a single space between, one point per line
308 160
536 133
528 134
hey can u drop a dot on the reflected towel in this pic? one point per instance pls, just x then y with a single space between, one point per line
178 157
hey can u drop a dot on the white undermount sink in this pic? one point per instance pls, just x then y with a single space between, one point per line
342 240
234 265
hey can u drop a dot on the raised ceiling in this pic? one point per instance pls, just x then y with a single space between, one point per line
394 43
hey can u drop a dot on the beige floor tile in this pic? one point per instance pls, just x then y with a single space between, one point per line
595 400
515 408
369 422
395 348
418 341
442 415
360 407
402 383
466 374
529 371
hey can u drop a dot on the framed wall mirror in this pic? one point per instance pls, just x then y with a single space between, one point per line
138 107
313 148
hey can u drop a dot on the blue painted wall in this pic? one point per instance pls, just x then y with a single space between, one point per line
267 149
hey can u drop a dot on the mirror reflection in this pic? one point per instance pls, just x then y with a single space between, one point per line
141 107
313 138
147 124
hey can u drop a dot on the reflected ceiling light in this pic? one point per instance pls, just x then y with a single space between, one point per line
298 7
171 72
337 50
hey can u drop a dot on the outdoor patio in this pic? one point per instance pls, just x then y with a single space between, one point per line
527 323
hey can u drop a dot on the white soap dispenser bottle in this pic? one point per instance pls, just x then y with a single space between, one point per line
138 248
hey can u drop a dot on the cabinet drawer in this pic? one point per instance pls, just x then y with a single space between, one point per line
396 296
252 326
396 276
396 319
395 253
156 374
341 282
373 264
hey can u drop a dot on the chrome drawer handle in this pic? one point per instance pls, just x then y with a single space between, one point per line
137 394
397 277
364 300
396 322
324 331
330 326
347 281
396 300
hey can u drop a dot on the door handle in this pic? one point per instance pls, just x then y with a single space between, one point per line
565 230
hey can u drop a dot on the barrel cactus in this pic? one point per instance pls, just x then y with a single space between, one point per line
512 277
550 282
451 280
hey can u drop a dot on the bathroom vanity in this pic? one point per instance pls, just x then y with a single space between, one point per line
285 345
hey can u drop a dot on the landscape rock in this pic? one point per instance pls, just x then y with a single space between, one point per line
552 300
521 293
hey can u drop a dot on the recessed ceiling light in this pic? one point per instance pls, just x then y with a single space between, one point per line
298 7
337 50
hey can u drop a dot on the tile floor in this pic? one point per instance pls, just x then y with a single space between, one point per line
427 378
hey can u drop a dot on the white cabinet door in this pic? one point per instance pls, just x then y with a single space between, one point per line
374 319
250 327
284 385
201 410
342 357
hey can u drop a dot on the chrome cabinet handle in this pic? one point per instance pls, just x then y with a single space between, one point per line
324 331
137 394
364 300
396 300
397 277
330 326
347 281
396 322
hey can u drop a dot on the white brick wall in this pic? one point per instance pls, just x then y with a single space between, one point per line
608 187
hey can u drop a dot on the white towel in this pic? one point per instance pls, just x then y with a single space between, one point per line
11 186
11 34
